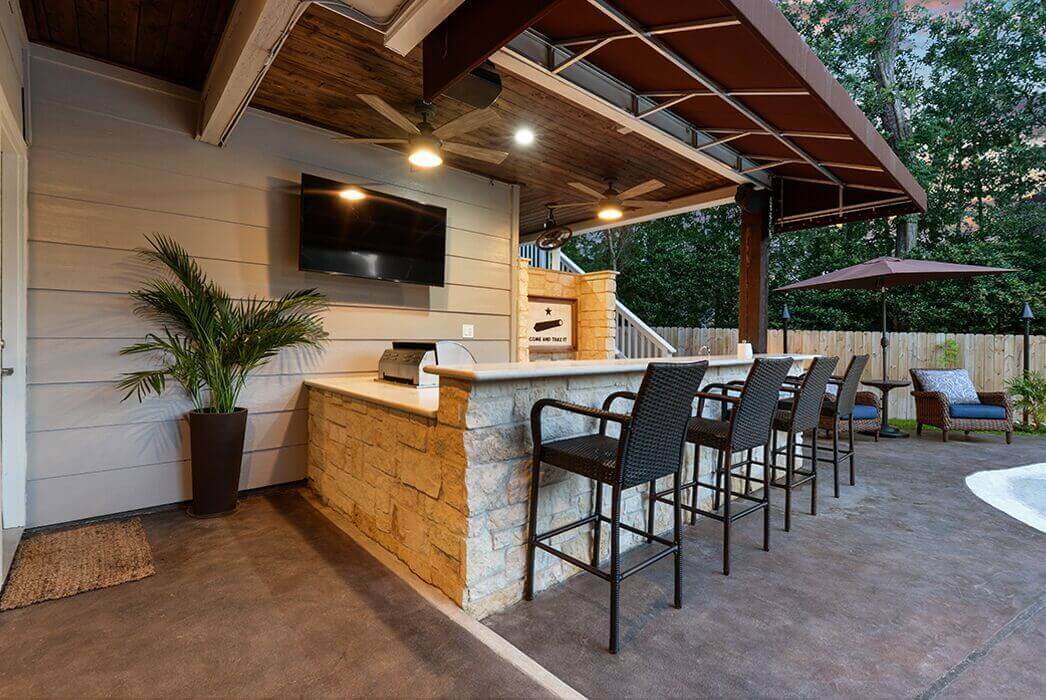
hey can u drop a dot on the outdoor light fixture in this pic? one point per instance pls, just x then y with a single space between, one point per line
610 209
524 136
425 151
352 194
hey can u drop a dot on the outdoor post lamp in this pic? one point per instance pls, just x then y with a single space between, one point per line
786 316
1027 316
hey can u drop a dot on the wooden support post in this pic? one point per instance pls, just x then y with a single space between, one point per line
755 246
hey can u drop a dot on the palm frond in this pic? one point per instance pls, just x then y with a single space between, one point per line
208 342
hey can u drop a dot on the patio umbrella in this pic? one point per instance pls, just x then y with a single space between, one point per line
885 272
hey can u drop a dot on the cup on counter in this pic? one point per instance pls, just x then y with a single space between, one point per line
744 351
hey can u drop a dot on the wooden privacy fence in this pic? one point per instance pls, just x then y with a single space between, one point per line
990 359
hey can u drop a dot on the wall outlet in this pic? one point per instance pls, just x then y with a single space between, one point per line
468 330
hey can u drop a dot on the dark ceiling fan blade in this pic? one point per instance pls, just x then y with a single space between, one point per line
485 154
570 204
389 112
353 139
642 189
471 121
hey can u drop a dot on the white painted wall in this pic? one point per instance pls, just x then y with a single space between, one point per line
112 159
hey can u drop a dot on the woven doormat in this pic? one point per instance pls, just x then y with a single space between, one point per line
59 564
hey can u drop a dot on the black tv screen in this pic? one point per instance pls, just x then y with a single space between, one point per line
349 230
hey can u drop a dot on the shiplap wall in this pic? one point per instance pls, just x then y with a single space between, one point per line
112 160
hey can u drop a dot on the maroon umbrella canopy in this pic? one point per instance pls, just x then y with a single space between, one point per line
891 272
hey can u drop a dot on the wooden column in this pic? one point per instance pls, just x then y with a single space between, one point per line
755 246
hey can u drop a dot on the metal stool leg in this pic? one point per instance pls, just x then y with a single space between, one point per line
677 520
835 454
726 510
853 470
693 491
535 478
650 513
615 566
789 468
718 480
748 474
766 498
813 481
599 524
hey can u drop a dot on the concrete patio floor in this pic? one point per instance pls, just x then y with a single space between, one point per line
274 601
908 585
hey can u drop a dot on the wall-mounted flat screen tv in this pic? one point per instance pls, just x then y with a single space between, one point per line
349 230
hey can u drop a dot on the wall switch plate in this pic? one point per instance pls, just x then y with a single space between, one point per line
468 330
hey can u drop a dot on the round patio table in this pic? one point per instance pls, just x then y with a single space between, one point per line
885 386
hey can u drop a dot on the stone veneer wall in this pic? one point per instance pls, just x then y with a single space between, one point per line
596 295
449 497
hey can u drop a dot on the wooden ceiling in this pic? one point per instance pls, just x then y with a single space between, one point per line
328 59
170 39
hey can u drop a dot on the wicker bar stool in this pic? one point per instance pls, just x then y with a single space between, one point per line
799 415
650 447
746 426
839 408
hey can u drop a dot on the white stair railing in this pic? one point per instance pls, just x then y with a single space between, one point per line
635 339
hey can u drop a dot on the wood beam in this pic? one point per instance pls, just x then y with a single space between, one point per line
415 21
253 36
754 288
468 37
680 205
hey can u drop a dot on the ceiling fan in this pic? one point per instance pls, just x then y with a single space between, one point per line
611 204
426 143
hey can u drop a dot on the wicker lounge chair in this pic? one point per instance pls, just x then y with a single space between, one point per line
994 412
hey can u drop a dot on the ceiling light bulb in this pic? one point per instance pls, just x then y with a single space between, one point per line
352 194
610 212
524 136
425 157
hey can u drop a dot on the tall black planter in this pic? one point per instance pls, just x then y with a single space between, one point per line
217 450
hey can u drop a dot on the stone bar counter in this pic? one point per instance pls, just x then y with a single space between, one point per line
440 477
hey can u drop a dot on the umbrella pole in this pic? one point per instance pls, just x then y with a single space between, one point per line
884 342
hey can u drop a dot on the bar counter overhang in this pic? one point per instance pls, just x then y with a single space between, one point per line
440 476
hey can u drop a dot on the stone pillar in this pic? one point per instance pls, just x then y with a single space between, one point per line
597 315
522 310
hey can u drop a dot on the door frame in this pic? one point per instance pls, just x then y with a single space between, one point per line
14 218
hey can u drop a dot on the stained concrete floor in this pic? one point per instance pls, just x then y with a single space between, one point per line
274 601
908 585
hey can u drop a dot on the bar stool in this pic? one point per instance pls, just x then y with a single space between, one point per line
746 426
796 416
650 447
839 407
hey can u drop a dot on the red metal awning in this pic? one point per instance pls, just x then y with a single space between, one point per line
745 87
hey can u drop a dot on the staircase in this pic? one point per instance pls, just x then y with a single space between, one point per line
635 339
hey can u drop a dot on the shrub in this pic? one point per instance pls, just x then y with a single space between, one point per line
1029 395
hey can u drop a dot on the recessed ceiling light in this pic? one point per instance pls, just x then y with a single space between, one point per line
352 194
524 136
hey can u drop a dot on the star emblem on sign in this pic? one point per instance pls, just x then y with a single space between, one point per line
548 311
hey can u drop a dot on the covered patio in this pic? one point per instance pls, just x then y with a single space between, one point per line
378 532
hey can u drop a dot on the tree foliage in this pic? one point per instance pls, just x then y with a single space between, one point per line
968 86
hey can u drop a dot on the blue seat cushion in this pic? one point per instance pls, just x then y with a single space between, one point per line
863 412
978 411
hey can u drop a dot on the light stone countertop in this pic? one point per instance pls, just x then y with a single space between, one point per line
402 397
501 371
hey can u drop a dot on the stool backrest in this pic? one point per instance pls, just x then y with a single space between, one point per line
753 415
806 407
851 380
652 446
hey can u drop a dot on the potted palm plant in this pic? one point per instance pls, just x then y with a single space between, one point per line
208 343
